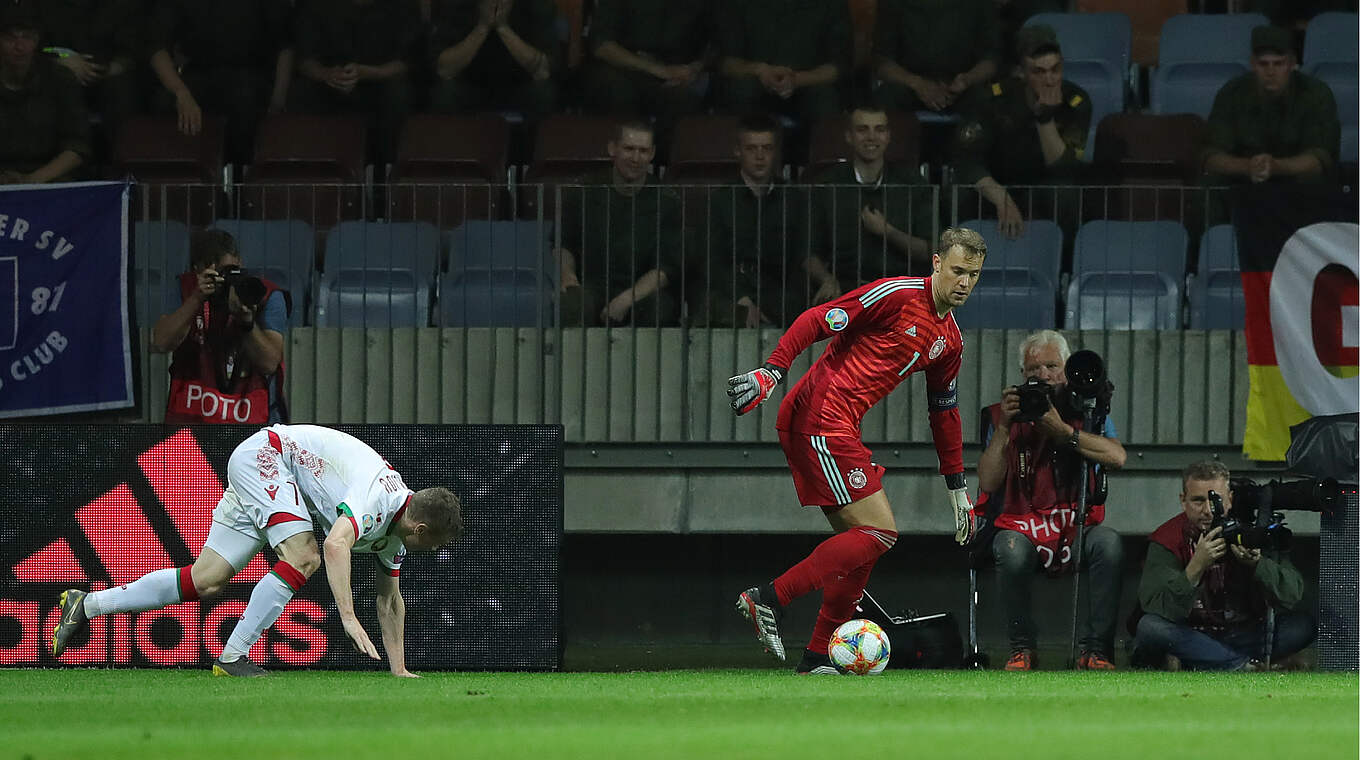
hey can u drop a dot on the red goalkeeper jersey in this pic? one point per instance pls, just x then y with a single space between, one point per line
880 333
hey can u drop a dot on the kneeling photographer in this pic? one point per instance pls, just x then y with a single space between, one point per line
1029 479
227 366
1210 582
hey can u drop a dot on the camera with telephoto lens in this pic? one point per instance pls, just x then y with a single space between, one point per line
249 288
1248 532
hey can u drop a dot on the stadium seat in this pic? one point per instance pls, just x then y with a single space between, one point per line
499 274
702 151
160 253
1331 38
1216 300
567 148
1095 51
571 15
1038 250
1009 297
378 274
306 167
1116 246
828 148
1198 54
862 15
450 168
282 250
1147 18
1136 300
178 176
1136 148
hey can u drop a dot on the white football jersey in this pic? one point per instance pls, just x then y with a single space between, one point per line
341 477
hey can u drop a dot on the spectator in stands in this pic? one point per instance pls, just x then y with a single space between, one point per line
1202 601
1028 479
935 55
622 240
1029 130
1013 15
354 57
649 56
44 129
750 273
1274 124
100 42
228 351
494 54
787 57
870 218
230 58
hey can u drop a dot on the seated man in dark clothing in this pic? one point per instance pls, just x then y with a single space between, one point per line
1029 131
44 130
870 218
751 272
1274 124
100 43
935 54
494 54
1204 601
353 57
622 240
648 56
784 56
230 58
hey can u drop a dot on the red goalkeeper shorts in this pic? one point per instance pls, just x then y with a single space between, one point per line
830 470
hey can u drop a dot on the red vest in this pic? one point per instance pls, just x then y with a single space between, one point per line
210 379
1032 501
1227 594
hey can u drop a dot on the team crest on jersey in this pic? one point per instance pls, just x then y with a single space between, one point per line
857 478
271 490
937 348
837 319
368 523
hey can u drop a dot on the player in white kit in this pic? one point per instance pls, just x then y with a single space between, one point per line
279 481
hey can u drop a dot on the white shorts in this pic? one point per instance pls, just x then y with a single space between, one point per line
261 503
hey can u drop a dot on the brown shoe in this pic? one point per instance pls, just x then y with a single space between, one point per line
1021 659
1094 661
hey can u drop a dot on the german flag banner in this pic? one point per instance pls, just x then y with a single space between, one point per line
1297 247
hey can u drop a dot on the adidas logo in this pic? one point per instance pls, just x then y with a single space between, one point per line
126 546
912 331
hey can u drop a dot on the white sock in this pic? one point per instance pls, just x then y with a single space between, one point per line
266 603
149 592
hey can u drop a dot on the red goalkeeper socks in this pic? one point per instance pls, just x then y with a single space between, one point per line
833 560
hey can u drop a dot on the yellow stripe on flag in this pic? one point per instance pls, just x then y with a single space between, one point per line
1271 409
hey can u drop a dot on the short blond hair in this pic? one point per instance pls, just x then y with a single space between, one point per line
970 240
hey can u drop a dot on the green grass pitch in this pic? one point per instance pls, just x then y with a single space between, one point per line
709 714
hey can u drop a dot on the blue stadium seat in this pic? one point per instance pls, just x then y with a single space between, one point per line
282 250
1216 300
1096 50
1038 250
1012 297
499 274
1197 55
1109 246
378 274
1123 301
160 254
1331 38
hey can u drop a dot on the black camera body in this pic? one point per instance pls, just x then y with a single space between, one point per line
249 288
1273 536
1036 396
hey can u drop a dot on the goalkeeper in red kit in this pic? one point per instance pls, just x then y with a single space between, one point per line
880 333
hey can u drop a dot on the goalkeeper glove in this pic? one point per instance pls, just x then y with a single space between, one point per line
964 524
750 390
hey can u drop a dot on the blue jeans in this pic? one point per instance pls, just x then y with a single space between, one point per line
1223 650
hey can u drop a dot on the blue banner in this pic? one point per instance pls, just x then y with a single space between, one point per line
64 342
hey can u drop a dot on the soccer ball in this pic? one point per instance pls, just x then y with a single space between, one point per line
860 647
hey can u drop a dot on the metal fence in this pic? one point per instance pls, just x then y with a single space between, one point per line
510 303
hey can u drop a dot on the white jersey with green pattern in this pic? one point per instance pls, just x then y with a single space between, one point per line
341 477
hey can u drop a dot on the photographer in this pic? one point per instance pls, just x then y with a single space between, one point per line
1204 600
1028 484
228 361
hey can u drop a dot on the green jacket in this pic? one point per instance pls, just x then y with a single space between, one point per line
1245 120
617 238
670 32
800 34
1001 139
937 38
43 119
839 238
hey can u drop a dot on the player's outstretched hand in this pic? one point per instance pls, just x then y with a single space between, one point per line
750 390
359 637
964 525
